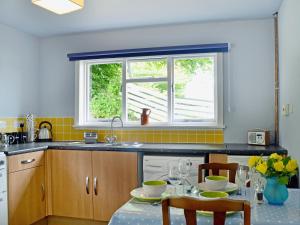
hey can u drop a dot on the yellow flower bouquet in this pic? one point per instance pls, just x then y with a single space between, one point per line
275 166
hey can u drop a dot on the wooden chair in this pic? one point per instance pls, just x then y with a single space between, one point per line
218 207
216 167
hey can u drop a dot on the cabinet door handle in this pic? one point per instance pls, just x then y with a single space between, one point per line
43 192
27 161
87 181
95 185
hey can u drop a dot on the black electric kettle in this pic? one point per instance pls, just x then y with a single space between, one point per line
44 132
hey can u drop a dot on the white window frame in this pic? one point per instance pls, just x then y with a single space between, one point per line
142 80
82 119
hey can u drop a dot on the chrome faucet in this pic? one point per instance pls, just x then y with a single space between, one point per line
112 139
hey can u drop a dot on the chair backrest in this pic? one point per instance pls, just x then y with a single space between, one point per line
218 207
216 167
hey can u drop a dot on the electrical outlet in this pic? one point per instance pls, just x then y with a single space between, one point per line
3 124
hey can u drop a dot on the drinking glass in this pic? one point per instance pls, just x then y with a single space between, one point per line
243 177
184 167
173 174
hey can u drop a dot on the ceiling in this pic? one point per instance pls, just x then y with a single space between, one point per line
114 14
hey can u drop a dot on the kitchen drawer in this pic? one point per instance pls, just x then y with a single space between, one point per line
25 161
3 179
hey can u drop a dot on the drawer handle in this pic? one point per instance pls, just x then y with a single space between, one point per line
27 161
43 192
87 181
95 185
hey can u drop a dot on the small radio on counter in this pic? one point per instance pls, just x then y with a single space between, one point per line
259 137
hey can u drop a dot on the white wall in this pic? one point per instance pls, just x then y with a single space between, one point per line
251 60
289 36
19 66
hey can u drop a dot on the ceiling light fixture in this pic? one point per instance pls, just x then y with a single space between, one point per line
60 6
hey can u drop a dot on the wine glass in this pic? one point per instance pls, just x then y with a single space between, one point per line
173 174
243 177
184 167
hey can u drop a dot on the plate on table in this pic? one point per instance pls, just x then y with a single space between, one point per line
139 195
213 195
230 187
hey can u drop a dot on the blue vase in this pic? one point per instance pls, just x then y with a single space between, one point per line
274 192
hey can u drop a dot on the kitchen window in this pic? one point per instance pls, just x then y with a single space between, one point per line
180 90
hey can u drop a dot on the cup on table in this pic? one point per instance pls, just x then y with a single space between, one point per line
173 174
184 166
243 177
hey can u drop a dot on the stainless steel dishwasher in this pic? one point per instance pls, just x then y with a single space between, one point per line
156 167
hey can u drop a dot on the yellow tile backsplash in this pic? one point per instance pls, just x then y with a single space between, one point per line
11 124
63 131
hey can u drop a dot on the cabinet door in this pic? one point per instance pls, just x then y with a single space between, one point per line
26 196
71 174
115 175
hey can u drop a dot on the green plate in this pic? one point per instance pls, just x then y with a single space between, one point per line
213 194
139 195
230 187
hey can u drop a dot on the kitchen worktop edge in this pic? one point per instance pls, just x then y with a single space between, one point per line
165 148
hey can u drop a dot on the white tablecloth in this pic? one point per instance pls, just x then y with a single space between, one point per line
145 214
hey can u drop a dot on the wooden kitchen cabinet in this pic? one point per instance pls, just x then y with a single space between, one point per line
114 176
26 196
71 183
111 177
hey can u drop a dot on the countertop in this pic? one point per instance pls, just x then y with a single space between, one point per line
150 149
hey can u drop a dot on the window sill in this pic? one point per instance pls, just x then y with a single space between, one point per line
150 127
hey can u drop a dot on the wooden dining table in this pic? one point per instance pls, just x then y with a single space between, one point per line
142 213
